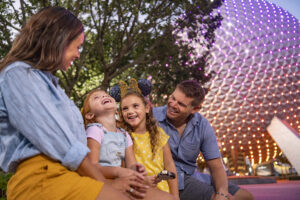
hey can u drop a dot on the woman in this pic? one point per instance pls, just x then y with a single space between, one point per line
42 137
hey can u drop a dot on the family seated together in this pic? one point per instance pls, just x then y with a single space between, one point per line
57 152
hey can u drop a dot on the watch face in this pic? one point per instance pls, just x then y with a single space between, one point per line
166 175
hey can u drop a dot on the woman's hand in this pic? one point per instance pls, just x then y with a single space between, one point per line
131 186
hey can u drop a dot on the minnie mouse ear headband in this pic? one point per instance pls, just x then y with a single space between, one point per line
142 86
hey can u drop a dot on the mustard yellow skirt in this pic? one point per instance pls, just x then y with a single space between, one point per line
40 178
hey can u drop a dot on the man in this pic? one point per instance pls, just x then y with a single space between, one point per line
190 133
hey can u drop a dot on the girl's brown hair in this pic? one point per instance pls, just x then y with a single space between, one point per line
151 123
43 40
86 107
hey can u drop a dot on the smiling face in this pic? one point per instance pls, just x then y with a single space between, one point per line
179 107
100 103
134 112
72 52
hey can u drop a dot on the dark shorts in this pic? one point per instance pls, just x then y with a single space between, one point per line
196 190
232 188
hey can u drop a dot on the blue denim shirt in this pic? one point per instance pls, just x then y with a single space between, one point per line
37 117
198 136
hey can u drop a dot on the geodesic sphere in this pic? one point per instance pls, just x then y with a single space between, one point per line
256 60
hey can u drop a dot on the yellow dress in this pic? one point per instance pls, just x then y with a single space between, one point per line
143 154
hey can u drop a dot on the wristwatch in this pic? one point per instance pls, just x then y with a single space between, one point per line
166 175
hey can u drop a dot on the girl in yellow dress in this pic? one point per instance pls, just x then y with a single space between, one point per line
150 141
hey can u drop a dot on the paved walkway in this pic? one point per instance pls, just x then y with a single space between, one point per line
282 190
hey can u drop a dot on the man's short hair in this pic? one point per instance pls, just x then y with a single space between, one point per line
194 90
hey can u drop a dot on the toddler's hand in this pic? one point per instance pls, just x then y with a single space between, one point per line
140 168
152 180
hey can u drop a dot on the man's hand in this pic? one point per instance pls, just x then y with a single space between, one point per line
221 196
219 177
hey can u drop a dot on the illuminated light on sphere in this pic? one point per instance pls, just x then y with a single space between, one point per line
256 60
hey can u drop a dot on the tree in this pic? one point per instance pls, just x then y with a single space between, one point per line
129 38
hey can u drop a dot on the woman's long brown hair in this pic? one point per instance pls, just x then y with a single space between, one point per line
43 40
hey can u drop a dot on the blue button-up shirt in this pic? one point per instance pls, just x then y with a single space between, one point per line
37 117
198 136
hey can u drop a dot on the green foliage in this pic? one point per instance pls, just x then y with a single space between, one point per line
128 38
3 182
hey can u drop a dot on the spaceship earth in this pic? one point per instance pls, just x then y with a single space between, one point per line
256 60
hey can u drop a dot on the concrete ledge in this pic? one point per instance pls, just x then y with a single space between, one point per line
245 180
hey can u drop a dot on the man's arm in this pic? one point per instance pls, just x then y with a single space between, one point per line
219 177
